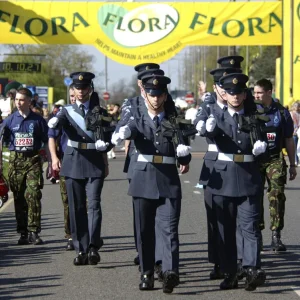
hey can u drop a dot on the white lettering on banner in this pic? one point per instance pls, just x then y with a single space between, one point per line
271 136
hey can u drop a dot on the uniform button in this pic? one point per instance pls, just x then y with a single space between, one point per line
223 134
83 137
144 138
238 131
239 142
157 151
157 143
239 151
156 134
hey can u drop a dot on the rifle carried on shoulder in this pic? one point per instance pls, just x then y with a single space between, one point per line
178 129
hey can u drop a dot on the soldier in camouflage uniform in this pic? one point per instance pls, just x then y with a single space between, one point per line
275 169
25 132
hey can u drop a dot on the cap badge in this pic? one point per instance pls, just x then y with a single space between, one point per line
232 62
225 73
235 81
155 82
147 67
80 77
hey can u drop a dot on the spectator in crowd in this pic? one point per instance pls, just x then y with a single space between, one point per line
36 108
46 113
114 112
57 106
7 105
295 113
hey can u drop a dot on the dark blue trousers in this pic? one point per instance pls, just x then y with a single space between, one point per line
160 215
85 227
212 228
245 212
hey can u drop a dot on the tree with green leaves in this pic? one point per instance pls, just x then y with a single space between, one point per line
58 61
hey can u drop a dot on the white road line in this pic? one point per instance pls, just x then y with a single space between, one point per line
296 290
186 181
196 192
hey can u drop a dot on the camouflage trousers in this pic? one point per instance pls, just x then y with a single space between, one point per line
64 198
25 178
275 172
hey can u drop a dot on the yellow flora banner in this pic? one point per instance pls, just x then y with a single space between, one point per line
131 33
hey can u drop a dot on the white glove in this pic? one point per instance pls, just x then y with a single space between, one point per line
52 123
124 132
183 150
201 127
115 139
211 123
259 147
100 145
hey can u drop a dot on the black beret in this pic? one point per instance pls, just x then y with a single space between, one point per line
233 61
155 85
220 72
150 72
146 66
234 83
82 79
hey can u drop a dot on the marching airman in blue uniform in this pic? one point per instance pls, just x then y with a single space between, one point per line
155 184
84 167
211 155
128 107
209 160
236 186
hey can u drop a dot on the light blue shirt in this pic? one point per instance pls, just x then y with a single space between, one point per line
86 105
160 116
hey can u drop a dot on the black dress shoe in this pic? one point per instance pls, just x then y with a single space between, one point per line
255 277
241 271
136 260
230 282
34 238
70 245
158 271
147 282
276 243
93 256
216 273
171 279
23 240
81 259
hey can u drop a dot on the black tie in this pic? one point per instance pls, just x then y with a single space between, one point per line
236 117
156 121
224 108
82 110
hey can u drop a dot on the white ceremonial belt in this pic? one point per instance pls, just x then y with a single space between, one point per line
156 159
79 145
235 157
212 148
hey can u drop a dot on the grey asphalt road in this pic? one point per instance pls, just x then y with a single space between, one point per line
47 271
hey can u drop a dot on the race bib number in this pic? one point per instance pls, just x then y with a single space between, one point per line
271 136
24 141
